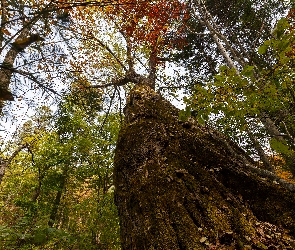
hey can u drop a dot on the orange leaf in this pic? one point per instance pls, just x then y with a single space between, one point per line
6 32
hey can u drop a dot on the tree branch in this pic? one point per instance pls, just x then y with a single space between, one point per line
263 157
5 163
247 163
111 52
129 77
22 42
288 133
130 59
30 76
237 55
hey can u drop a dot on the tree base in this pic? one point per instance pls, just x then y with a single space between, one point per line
180 185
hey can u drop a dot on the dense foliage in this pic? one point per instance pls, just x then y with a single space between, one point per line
255 106
58 193
232 60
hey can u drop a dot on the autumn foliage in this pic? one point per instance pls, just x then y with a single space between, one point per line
148 22
291 19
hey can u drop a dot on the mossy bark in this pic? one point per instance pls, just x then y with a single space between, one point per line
180 185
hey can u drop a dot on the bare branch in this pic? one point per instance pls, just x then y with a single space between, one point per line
237 56
129 77
20 44
23 41
111 52
221 48
130 59
224 53
152 67
108 111
30 76
263 157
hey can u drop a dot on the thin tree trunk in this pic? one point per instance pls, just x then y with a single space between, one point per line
274 132
271 128
5 163
263 157
37 191
207 20
57 200
3 20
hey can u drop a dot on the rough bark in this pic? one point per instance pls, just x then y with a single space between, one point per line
24 38
180 185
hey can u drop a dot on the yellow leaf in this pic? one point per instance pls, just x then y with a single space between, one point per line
203 239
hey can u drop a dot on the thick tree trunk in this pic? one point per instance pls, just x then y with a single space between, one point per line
183 186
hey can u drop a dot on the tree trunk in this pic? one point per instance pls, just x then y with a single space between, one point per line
57 200
180 185
263 157
24 39
274 132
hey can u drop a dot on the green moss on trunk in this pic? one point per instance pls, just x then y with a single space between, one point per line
181 186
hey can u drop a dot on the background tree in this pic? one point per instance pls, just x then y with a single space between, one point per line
256 104
140 39
227 33
37 45
57 150
59 192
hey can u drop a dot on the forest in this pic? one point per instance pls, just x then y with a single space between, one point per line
133 124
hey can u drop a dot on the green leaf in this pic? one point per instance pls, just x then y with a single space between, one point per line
248 70
184 114
280 147
262 49
282 25
261 245
219 78
40 237
223 68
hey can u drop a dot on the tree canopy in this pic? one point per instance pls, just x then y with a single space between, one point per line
73 64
